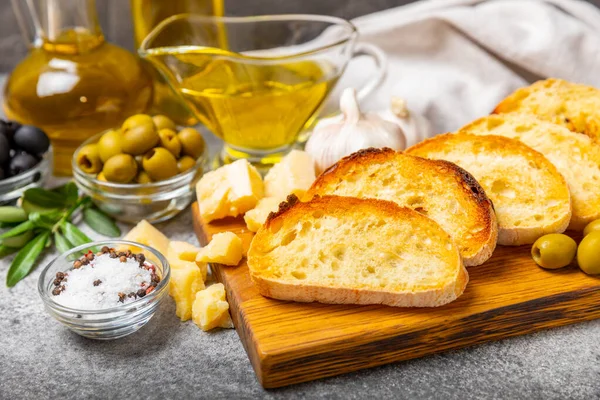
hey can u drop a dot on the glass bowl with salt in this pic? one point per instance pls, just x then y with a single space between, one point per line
105 290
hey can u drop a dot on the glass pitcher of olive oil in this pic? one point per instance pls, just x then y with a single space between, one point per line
146 14
73 84
256 82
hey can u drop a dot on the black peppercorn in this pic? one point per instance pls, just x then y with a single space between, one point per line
141 292
105 249
60 275
57 282
97 282
113 255
56 291
141 258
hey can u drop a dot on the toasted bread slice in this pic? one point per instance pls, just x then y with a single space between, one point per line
438 189
574 106
575 156
344 250
530 196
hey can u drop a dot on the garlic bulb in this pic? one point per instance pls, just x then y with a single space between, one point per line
336 138
415 126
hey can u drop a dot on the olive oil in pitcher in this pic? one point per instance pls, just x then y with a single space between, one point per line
73 84
253 106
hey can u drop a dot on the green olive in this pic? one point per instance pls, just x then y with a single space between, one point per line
588 253
88 159
139 134
591 227
554 251
185 163
121 168
163 122
101 177
143 177
110 144
170 141
192 142
160 164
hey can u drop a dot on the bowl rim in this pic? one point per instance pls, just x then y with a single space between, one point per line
162 285
201 163
41 165
146 48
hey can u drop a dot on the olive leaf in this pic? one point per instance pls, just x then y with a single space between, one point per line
100 222
45 198
45 220
6 251
61 243
18 241
17 230
69 191
26 258
74 235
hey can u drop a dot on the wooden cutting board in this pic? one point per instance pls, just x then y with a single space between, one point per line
294 342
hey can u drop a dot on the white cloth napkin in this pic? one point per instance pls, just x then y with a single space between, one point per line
454 60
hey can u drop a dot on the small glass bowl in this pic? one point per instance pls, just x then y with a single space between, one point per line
110 323
154 202
13 187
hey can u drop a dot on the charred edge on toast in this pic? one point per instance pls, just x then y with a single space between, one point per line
284 206
358 154
470 183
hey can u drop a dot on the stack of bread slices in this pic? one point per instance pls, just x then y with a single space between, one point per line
383 227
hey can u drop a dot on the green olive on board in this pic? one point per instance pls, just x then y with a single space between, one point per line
139 134
192 142
170 141
588 253
554 251
88 159
121 168
591 227
160 164
110 144
164 122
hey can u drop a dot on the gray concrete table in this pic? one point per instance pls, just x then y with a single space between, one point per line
40 359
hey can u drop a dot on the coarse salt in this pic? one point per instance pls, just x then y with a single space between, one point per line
115 276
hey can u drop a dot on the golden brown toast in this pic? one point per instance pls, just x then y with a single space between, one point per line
575 156
531 198
438 189
344 250
572 105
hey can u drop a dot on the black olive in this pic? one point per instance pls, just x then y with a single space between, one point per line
31 139
22 162
13 126
4 149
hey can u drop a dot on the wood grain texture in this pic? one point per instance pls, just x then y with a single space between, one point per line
290 342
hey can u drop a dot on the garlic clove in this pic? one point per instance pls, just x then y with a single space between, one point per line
335 138
416 127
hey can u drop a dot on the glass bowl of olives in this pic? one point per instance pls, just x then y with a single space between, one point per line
25 159
146 169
